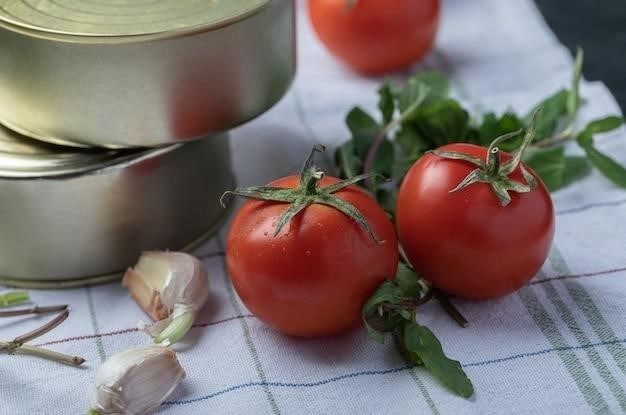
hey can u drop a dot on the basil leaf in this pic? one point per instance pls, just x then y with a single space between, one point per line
403 164
347 161
575 169
601 125
553 109
383 163
363 128
442 122
386 198
573 97
386 103
438 85
406 314
407 280
409 140
607 166
549 164
376 335
411 98
387 292
419 340
492 127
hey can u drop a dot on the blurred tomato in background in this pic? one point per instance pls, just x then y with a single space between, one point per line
376 36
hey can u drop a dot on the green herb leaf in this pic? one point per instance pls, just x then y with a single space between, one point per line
420 341
442 122
411 98
386 102
602 125
409 140
364 129
383 163
573 97
607 166
575 169
387 292
374 334
492 127
438 85
347 161
549 164
553 109
408 281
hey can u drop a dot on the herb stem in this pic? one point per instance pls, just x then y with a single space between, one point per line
373 151
12 298
558 138
33 310
449 308
12 347
43 329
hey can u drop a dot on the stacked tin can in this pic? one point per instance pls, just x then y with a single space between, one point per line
115 117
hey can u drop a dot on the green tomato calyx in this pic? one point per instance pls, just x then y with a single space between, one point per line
307 193
493 171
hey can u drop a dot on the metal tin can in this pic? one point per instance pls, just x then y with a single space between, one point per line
126 73
71 216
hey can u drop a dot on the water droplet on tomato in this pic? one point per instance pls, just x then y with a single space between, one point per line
308 253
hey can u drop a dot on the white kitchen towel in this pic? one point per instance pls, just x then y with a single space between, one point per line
558 346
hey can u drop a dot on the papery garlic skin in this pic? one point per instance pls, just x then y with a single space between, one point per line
167 286
136 381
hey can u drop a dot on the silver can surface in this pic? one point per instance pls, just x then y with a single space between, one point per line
77 216
122 74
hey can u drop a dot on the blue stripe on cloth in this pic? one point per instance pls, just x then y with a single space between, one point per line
377 372
590 206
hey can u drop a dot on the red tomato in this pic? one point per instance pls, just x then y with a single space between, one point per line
376 36
314 277
465 242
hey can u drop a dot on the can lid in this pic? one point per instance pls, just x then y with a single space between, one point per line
22 157
121 18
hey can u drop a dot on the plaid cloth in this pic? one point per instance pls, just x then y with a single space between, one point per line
555 347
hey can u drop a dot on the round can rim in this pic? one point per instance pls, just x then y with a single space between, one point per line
112 162
14 25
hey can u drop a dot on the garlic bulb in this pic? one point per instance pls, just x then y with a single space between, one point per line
171 287
136 381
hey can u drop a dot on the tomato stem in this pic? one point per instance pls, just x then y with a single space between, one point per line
493 163
308 193
495 173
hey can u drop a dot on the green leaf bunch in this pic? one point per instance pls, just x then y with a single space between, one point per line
419 115
393 308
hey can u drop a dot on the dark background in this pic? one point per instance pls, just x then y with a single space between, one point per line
599 26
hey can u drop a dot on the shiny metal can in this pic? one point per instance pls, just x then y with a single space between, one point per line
129 73
75 216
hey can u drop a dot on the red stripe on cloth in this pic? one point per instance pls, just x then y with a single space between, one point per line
134 329
586 274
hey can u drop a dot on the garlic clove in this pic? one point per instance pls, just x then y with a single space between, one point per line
136 381
171 287
145 294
